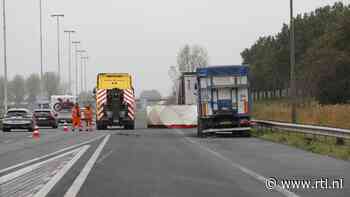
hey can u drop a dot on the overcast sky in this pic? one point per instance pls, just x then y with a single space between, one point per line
141 37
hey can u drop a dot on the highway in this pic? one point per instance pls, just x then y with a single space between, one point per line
156 162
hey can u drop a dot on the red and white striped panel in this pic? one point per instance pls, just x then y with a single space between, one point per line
101 98
129 98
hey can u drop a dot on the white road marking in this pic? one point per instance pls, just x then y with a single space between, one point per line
105 156
49 155
245 170
47 188
27 169
79 181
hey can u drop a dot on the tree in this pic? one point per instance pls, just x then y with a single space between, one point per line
51 83
17 89
174 75
322 56
32 87
150 95
191 58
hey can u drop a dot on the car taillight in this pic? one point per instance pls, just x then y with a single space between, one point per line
244 122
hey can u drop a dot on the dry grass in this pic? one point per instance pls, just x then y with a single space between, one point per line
308 113
319 145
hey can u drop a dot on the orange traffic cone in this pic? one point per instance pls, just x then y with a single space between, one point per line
65 127
36 133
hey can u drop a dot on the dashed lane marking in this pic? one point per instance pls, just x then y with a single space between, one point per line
243 169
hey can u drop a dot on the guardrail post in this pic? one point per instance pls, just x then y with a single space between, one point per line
340 141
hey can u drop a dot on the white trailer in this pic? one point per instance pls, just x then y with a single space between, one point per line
62 105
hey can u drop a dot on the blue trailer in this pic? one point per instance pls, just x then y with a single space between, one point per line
224 102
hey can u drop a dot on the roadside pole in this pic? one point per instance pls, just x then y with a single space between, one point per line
5 53
292 65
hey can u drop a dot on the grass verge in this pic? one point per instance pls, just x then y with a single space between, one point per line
316 144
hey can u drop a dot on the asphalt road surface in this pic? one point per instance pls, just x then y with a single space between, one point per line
159 162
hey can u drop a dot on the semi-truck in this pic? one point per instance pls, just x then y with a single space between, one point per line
224 102
115 101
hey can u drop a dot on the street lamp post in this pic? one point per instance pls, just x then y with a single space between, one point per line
292 65
81 69
57 16
41 49
85 59
69 32
5 53
76 44
41 40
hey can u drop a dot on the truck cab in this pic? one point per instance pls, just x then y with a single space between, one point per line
223 100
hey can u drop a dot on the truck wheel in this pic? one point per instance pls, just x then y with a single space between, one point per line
99 127
247 134
6 130
200 129
130 126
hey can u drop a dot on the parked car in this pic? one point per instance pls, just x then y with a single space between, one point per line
46 118
18 118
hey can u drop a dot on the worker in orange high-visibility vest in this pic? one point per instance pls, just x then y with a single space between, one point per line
76 117
88 114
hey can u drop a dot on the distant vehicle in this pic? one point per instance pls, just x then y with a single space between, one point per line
46 117
223 100
115 102
43 105
187 94
18 118
62 105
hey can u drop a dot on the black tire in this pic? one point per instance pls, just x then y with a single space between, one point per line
55 126
30 129
6 130
200 129
100 126
247 134
130 126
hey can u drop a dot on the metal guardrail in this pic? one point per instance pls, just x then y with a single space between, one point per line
305 129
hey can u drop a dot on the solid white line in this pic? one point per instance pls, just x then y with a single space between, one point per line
49 155
245 170
27 169
227 129
79 181
47 188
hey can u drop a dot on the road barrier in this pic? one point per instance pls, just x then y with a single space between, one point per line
340 134
171 116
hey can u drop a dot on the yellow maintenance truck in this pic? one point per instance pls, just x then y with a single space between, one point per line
115 101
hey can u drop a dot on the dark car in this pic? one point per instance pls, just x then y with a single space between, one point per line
45 118
18 118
